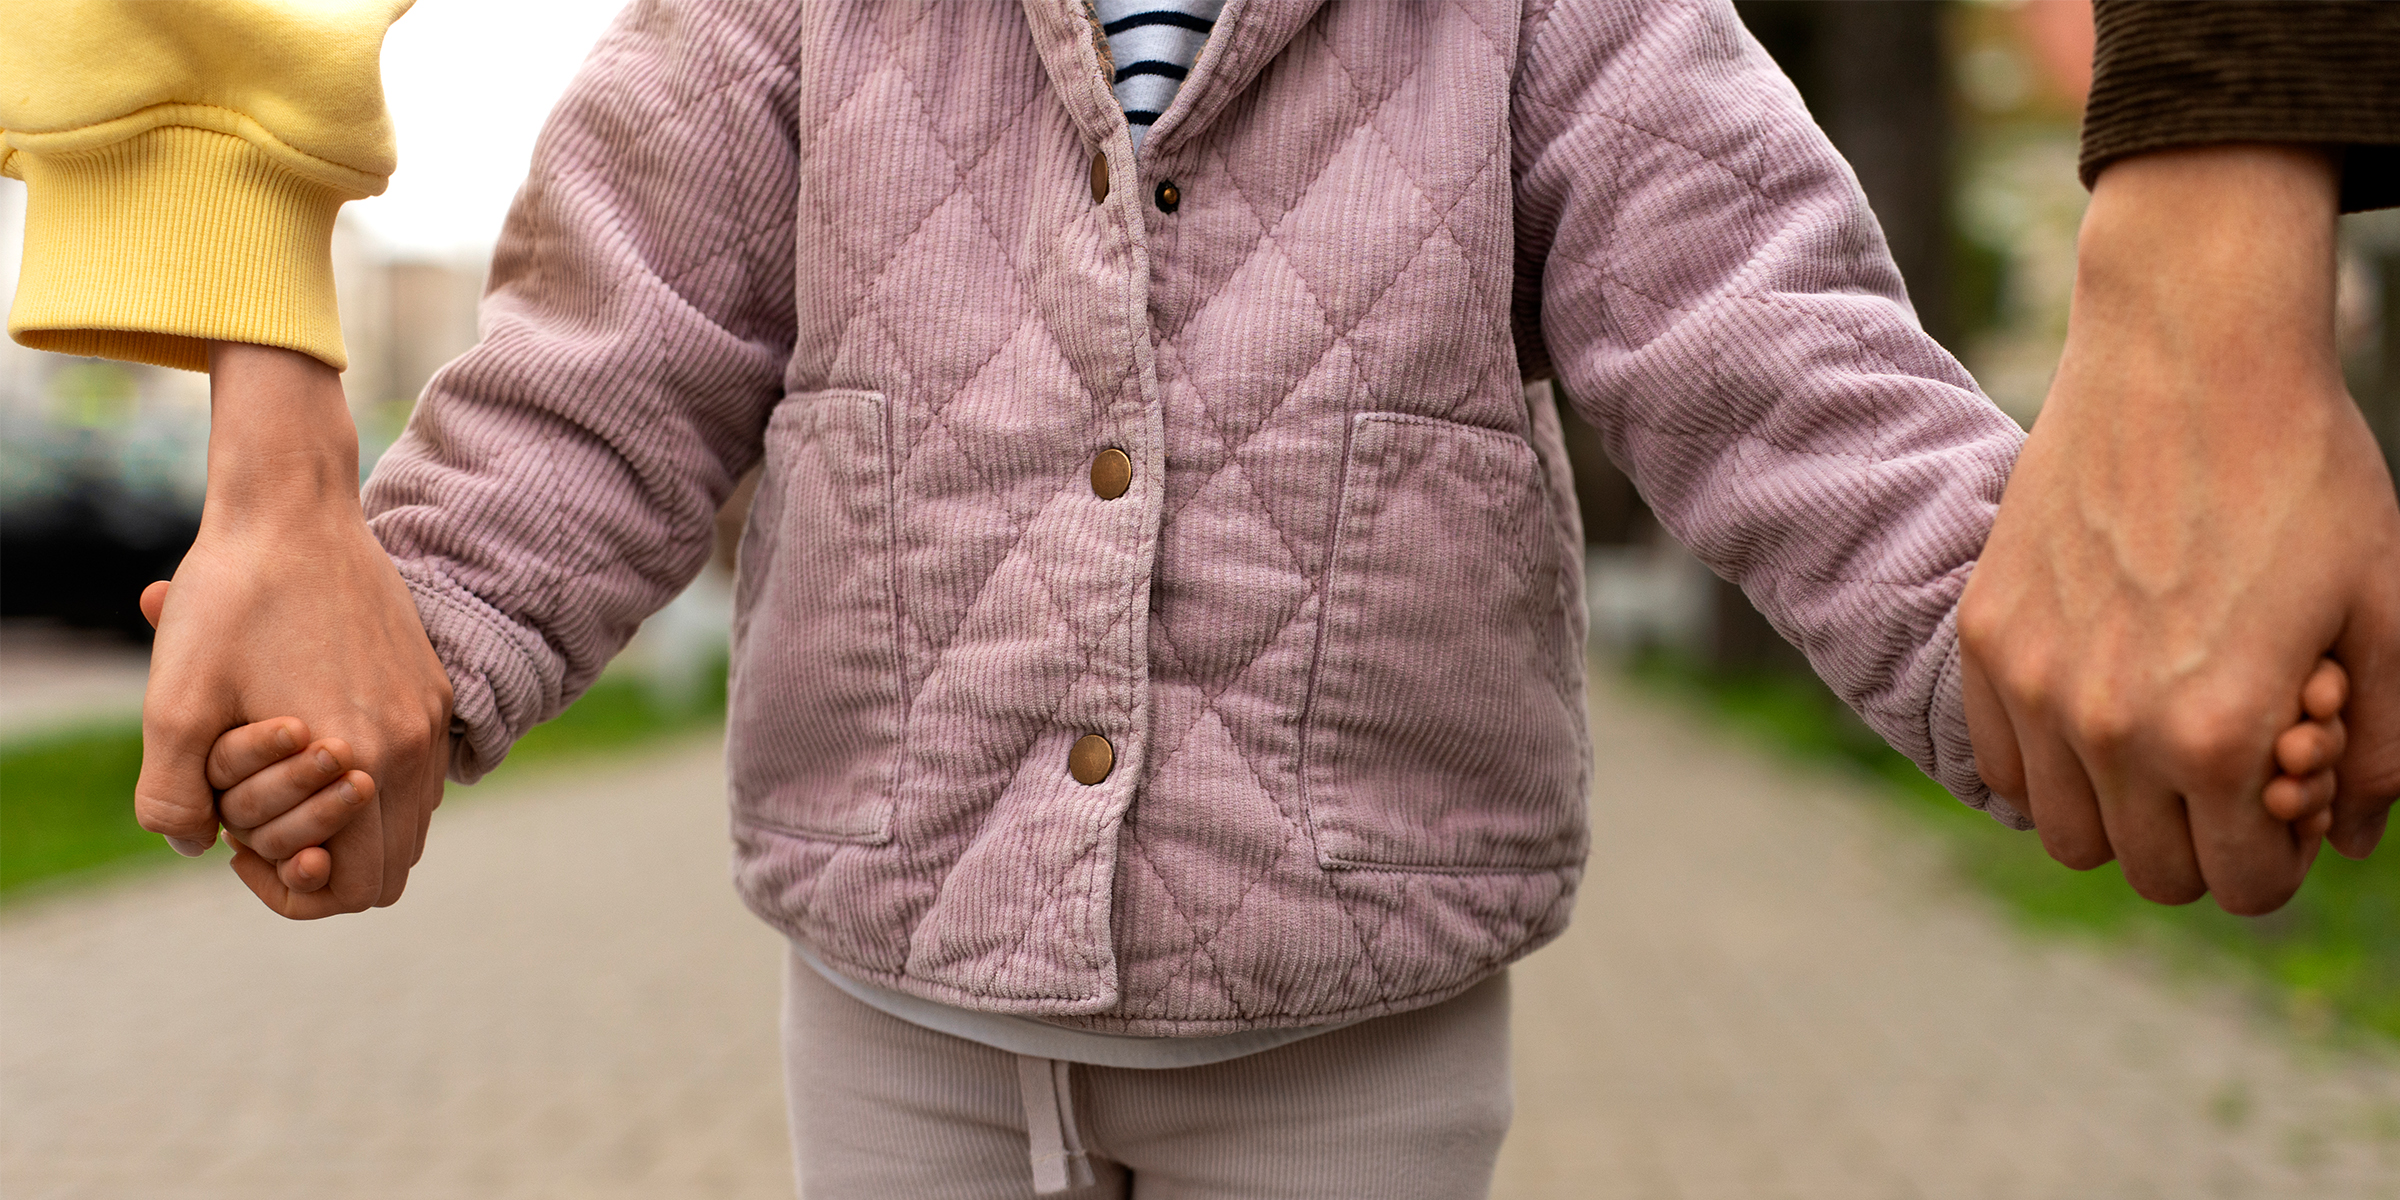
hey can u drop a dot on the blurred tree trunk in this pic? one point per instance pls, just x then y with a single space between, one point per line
1873 75
1613 513
1883 101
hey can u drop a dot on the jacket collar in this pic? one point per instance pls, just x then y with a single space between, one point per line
1249 34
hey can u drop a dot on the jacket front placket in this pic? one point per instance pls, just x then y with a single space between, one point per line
1095 299
1102 295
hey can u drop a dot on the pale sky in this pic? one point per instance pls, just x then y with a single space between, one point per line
469 83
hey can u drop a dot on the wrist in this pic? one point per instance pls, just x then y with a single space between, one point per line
2212 269
281 443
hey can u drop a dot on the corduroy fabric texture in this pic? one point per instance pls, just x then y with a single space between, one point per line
2166 75
1334 628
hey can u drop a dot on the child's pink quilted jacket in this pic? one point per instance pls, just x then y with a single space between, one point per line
1329 623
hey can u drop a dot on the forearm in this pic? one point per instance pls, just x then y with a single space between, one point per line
281 444
2204 293
2223 255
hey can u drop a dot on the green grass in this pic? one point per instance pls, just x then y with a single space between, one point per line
619 712
66 798
66 806
2330 959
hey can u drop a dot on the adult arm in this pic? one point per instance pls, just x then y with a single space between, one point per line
183 166
1707 281
2201 512
286 605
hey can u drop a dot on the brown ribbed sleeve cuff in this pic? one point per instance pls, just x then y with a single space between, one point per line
2182 74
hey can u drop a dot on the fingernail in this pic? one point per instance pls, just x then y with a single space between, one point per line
187 847
350 793
326 762
285 744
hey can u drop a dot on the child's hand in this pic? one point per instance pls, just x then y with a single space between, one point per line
2306 753
281 795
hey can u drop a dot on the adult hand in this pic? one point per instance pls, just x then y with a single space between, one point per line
2199 514
287 606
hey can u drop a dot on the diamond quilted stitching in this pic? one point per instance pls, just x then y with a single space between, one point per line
1285 335
1356 190
1260 467
871 218
1351 305
938 433
1253 834
1228 561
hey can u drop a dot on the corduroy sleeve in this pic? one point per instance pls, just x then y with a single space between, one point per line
183 164
2176 74
1717 298
560 481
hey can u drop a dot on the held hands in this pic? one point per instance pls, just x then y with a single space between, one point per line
2199 516
287 605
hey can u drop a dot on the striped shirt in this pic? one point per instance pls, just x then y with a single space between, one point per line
1154 43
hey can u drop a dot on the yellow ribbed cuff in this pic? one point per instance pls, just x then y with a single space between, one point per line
150 248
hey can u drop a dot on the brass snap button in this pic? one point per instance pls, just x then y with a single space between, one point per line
1099 177
1112 473
1169 196
1091 760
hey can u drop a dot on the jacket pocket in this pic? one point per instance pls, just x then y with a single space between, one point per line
813 731
1443 729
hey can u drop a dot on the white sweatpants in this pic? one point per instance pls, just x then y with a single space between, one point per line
1406 1107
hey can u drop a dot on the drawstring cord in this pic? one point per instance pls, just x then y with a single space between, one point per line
1056 1145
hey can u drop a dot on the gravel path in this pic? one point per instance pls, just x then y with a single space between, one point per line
1768 993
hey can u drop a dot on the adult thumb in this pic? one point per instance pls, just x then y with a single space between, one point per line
172 797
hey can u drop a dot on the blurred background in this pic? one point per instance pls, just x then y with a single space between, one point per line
1960 119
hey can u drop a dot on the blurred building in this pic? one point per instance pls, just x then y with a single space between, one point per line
402 318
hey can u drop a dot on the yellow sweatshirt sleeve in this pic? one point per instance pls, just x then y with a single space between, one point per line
183 162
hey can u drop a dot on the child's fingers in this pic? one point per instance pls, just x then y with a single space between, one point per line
241 753
264 881
275 790
2327 690
2311 746
311 868
2300 798
2315 828
261 876
313 820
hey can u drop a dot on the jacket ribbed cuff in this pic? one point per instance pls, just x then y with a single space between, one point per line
149 248
504 679
1953 763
